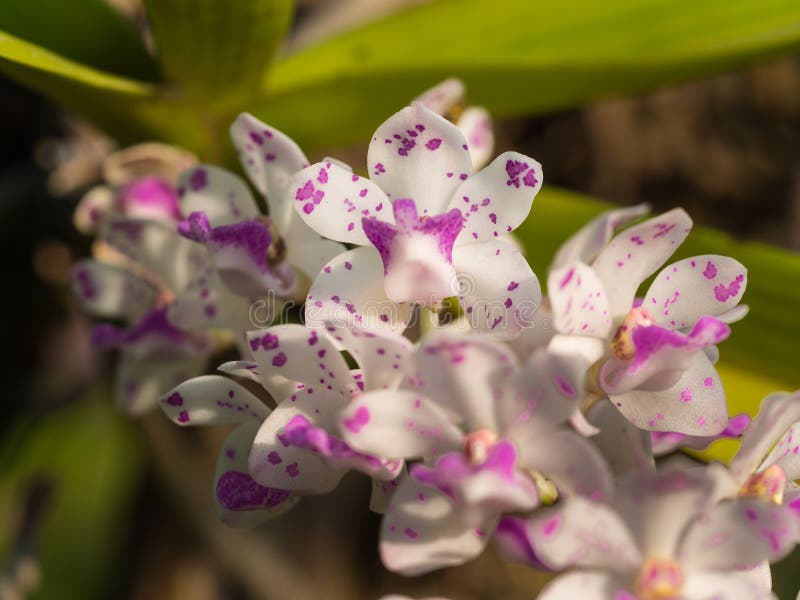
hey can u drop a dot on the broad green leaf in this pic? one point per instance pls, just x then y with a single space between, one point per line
86 31
91 454
130 110
218 51
517 57
761 355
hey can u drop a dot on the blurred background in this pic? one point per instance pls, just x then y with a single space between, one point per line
94 505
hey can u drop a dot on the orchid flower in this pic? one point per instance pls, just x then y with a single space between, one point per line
254 255
216 400
297 447
153 262
482 426
427 229
663 538
653 364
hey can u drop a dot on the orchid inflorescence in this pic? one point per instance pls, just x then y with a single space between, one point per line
527 420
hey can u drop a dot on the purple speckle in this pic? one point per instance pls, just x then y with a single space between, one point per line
279 359
357 422
198 180
238 491
433 144
174 399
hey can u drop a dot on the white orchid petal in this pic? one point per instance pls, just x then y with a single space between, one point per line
496 199
419 155
241 501
586 244
398 424
270 158
694 404
421 531
579 301
218 193
333 201
497 288
349 292
635 254
688 289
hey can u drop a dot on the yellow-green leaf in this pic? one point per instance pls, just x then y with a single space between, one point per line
517 56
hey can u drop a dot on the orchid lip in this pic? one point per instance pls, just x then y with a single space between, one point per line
622 345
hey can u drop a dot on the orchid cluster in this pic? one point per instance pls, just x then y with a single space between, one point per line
529 421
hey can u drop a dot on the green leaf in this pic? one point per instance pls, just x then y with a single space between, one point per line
91 454
761 355
130 110
517 57
218 51
86 31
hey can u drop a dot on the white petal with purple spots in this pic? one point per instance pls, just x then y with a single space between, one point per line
419 155
495 200
690 288
332 201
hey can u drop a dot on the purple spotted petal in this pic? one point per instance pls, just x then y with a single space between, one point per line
299 432
635 254
421 532
664 442
701 285
497 289
212 400
512 538
270 158
579 301
332 201
221 195
350 292
738 534
107 290
275 462
306 356
239 499
398 424
580 533
419 155
586 244
495 200
693 405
